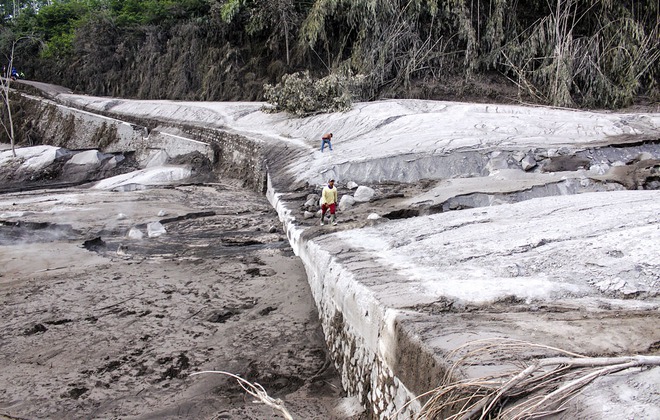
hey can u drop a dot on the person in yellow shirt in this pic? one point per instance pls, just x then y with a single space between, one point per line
329 202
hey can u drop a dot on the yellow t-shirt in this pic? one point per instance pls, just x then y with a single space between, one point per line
329 195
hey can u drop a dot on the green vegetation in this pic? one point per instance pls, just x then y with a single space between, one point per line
573 53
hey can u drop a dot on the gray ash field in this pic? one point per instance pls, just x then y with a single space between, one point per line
96 324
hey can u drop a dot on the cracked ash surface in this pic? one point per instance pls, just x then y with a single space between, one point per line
98 325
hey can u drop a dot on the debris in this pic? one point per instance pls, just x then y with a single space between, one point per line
256 391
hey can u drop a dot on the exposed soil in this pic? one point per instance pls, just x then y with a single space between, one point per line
99 325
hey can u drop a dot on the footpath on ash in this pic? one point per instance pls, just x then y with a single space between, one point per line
463 222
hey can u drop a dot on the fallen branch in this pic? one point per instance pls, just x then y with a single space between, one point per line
541 388
255 390
119 303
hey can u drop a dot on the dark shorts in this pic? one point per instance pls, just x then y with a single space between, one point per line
332 207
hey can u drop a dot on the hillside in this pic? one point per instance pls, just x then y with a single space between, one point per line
593 54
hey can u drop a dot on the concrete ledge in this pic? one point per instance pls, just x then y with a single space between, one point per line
392 326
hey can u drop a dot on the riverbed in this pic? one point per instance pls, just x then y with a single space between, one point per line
105 317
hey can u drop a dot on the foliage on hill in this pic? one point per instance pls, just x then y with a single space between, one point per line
575 53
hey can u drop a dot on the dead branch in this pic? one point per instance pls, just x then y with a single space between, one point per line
255 390
542 387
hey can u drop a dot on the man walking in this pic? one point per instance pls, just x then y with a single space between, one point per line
329 202
326 139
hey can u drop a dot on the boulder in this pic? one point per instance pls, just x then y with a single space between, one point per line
527 163
363 194
135 233
346 202
88 157
155 229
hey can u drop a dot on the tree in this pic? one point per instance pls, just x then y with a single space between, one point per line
276 19
593 53
8 42
5 83
11 9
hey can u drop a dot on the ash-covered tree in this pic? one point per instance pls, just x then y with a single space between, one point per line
589 53
10 39
275 20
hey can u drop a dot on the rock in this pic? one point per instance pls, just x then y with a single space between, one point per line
272 229
351 185
349 407
122 250
373 216
346 202
643 156
314 197
528 162
565 163
161 213
599 168
121 216
363 194
155 229
518 156
135 233
497 161
311 203
112 162
88 157
308 215
158 159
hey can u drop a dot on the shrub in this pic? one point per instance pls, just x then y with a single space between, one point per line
300 95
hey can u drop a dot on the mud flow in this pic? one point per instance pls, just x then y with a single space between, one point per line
112 299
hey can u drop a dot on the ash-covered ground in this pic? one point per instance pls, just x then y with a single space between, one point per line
112 298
